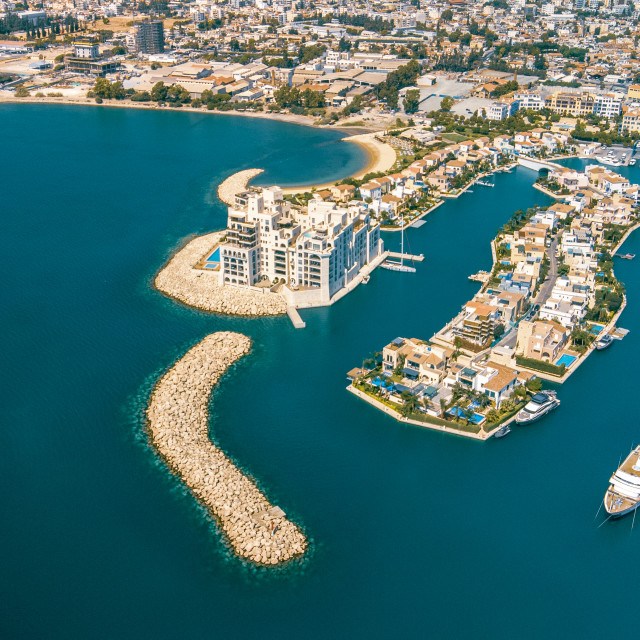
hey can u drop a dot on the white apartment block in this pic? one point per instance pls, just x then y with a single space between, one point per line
527 100
608 105
498 111
316 251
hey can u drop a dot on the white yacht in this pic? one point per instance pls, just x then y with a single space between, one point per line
608 160
539 405
623 494
604 342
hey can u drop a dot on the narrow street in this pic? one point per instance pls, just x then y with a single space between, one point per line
545 288
544 293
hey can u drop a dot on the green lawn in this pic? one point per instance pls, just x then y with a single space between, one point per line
454 137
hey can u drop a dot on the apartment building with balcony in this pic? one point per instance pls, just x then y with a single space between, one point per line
314 251
575 104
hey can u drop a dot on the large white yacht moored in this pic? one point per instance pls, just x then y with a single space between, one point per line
539 405
623 494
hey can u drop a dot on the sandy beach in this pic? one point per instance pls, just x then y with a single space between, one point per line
382 157
305 121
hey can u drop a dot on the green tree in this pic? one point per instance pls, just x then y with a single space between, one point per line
410 402
401 360
411 101
534 385
159 92
446 103
141 96
117 91
102 88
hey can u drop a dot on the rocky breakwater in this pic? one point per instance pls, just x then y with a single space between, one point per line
237 183
178 424
200 288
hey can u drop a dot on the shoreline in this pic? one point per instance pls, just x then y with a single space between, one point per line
303 121
178 424
381 157
180 280
482 434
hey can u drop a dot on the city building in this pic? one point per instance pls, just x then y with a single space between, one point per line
541 340
86 59
150 37
575 104
630 122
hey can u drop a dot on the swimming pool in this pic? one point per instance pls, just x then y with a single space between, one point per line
215 256
476 418
377 382
566 360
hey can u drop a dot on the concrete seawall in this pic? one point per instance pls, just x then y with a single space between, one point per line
178 423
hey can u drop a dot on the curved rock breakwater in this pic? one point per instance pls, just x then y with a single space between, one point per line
237 183
200 288
178 424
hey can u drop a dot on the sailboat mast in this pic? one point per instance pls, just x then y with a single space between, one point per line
402 241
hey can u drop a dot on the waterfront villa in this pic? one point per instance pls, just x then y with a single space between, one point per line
460 380
541 340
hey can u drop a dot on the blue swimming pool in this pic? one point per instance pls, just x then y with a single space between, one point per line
215 256
566 360
476 418
377 382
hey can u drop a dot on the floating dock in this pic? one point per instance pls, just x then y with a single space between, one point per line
406 256
295 318
618 333
481 276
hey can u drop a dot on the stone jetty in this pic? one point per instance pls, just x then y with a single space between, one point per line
200 288
179 427
236 184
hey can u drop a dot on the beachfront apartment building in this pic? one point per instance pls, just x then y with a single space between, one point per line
315 251
605 180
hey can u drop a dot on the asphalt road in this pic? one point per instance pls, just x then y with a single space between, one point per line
511 338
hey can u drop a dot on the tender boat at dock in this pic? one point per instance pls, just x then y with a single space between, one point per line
502 431
539 405
627 256
623 494
604 342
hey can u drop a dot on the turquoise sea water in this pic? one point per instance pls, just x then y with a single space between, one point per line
414 534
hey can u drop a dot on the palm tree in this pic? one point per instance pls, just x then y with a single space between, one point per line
409 405
443 406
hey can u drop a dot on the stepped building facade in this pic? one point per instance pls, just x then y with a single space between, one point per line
314 251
